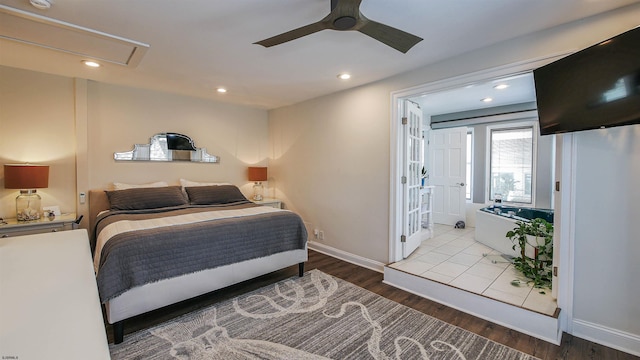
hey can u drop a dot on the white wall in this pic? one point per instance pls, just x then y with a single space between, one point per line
37 126
607 242
333 164
119 117
330 159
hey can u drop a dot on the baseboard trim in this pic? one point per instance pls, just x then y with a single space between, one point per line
346 256
616 339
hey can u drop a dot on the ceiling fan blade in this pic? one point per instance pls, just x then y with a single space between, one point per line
397 39
293 34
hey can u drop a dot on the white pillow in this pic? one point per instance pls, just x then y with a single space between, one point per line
188 183
123 186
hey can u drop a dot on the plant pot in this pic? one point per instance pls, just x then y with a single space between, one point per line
535 240
532 243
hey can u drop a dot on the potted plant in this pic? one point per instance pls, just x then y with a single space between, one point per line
534 241
423 176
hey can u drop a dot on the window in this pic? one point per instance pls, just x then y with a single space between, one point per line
469 161
511 162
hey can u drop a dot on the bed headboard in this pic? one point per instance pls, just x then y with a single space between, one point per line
98 201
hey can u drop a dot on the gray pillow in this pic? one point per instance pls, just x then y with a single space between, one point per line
146 198
213 195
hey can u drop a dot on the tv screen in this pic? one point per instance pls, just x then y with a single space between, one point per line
594 88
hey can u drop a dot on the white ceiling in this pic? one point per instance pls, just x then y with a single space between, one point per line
520 89
199 45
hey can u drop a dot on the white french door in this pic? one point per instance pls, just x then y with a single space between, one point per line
447 173
412 172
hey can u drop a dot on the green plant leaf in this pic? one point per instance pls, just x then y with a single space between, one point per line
537 269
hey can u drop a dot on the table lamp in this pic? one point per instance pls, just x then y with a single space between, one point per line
27 178
258 175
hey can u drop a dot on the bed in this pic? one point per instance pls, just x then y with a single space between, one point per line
157 246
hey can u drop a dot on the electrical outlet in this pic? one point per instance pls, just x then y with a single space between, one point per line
316 233
321 235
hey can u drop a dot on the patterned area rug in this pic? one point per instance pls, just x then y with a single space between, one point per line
313 317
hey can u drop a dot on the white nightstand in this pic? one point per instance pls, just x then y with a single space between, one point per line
13 227
269 202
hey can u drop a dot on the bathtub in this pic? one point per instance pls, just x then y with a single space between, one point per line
493 223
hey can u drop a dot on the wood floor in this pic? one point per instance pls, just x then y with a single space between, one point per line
571 347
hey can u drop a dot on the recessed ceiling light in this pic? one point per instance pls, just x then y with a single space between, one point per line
344 76
221 90
487 99
40 4
90 63
501 86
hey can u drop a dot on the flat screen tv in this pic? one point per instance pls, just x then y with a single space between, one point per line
597 87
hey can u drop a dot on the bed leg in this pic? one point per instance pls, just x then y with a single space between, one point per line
118 332
301 269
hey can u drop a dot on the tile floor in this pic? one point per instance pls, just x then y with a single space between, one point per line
453 257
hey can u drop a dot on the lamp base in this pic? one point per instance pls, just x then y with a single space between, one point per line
28 206
258 190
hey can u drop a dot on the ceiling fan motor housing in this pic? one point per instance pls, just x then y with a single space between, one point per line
344 22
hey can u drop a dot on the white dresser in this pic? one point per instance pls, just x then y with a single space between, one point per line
49 305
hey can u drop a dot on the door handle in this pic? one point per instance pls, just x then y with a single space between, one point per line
461 184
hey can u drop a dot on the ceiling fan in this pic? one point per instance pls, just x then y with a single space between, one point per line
346 15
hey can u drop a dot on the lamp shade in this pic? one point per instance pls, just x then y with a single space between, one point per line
18 176
257 174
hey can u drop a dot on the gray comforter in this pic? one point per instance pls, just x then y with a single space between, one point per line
135 258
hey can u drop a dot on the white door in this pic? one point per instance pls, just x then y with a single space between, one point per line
447 173
412 155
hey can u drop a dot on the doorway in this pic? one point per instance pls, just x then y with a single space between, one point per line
448 134
428 92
